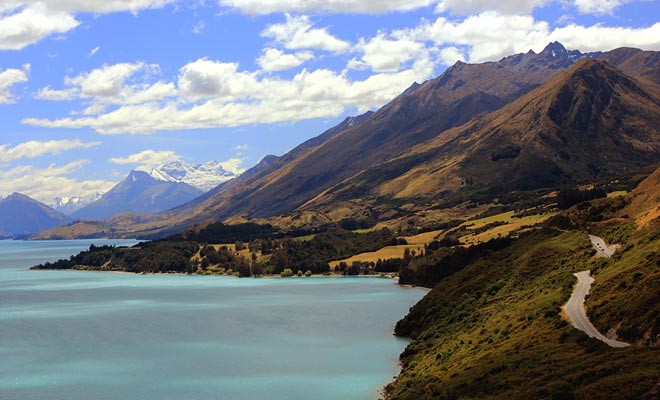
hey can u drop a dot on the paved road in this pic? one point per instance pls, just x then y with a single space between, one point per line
577 313
602 248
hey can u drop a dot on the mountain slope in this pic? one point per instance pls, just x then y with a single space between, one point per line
645 201
22 215
493 329
419 114
589 122
138 193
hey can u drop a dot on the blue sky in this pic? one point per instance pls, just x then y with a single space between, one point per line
92 89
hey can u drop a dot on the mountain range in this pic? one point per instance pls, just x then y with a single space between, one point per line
138 193
475 133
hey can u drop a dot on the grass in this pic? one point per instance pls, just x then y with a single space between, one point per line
618 193
382 254
493 330
511 225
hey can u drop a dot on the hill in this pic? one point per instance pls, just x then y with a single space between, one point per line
138 193
21 215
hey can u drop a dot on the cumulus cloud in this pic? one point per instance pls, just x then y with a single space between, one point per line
276 60
298 33
206 93
112 84
147 159
25 22
93 51
9 78
35 148
206 78
32 24
449 55
215 94
45 184
599 7
260 7
233 165
490 36
382 54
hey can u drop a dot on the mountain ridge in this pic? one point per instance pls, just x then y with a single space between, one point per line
138 193
22 215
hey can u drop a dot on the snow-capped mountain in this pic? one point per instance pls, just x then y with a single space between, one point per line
69 205
202 176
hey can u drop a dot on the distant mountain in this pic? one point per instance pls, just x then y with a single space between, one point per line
22 215
69 205
202 176
138 193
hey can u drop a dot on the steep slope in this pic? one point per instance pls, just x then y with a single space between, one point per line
589 122
645 201
22 215
138 193
493 330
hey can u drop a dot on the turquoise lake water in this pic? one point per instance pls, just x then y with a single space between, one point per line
96 336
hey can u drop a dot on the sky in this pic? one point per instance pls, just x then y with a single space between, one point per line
90 89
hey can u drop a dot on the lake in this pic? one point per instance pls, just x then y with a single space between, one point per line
92 335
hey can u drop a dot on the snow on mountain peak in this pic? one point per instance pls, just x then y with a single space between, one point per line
204 176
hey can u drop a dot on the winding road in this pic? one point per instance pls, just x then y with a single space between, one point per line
575 308
601 247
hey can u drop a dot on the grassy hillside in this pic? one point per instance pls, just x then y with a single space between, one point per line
493 330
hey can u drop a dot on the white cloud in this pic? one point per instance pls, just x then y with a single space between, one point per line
205 78
241 147
600 37
45 184
598 7
46 93
233 165
385 55
9 78
112 84
34 148
32 24
449 55
107 81
298 33
214 94
276 60
490 36
25 22
147 159
210 93
93 51
514 7
260 7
